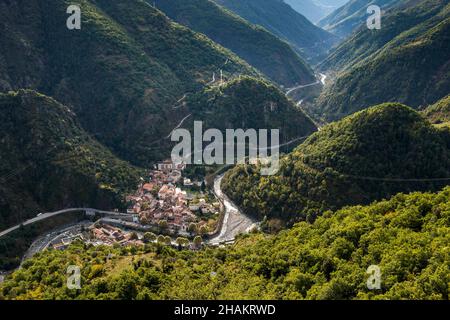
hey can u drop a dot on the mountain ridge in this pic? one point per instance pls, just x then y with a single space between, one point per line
364 157
407 62
352 15
49 162
406 237
259 48
279 18
110 72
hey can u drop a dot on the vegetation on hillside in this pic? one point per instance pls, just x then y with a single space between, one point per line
121 73
248 103
353 14
114 84
74 103
266 52
439 113
15 246
407 237
312 10
407 61
279 18
47 162
371 155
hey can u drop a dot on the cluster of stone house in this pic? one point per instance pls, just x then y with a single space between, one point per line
161 203
108 235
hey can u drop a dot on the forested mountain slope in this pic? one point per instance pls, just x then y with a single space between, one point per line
266 52
439 113
311 10
119 96
370 155
122 73
365 43
352 15
406 237
48 162
279 18
250 104
407 61
315 10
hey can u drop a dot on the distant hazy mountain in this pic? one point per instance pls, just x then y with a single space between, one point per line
344 20
309 9
279 18
107 92
48 162
266 52
407 236
315 10
332 3
408 61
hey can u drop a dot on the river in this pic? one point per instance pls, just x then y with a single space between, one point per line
234 221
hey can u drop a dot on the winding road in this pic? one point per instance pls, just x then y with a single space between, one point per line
323 77
234 221
47 215
319 81
179 125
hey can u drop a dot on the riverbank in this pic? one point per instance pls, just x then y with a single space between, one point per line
234 221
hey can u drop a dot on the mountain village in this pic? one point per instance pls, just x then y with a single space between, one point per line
166 203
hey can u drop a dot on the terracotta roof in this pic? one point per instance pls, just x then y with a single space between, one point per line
148 186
